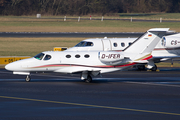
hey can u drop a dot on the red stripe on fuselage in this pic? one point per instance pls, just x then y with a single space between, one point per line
104 66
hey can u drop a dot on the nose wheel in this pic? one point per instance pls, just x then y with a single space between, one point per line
28 78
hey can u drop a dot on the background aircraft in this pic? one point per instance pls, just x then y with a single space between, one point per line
167 48
91 63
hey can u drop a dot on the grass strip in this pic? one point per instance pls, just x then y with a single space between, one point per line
29 24
33 46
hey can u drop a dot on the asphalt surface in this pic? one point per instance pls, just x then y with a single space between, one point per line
126 95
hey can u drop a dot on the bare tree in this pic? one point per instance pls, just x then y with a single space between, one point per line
84 7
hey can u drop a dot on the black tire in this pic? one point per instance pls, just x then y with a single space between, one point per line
89 79
28 78
154 68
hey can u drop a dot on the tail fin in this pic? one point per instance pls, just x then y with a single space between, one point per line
147 42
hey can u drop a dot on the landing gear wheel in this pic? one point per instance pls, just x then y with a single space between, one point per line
154 68
28 78
89 79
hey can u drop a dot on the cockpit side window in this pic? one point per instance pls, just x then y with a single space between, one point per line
39 56
89 44
84 44
47 57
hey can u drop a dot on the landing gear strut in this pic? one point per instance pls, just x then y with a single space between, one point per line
28 78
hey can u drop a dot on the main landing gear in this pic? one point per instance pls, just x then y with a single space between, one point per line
143 68
88 79
154 68
151 66
28 78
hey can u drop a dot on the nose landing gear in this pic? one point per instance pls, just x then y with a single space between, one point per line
28 78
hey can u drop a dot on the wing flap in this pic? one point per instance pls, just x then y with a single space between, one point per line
141 61
73 70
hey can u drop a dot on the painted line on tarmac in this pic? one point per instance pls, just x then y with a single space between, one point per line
89 105
157 84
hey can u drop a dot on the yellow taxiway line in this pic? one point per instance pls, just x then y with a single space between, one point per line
88 105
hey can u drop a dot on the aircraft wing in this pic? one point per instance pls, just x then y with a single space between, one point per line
74 70
163 58
167 57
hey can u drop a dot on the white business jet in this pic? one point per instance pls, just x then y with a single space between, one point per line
167 48
90 63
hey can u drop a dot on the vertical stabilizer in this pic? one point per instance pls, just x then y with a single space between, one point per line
147 42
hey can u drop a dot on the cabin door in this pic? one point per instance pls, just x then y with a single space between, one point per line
106 45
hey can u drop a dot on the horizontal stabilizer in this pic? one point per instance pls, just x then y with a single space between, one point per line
158 30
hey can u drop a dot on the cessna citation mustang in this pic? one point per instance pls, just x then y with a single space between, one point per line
167 48
91 63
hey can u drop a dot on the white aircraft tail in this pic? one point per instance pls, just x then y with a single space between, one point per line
147 42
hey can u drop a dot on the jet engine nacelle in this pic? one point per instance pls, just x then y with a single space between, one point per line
171 42
111 57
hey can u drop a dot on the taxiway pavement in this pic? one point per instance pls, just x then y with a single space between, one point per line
126 95
73 34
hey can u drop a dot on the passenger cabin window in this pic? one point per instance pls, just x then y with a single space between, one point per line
84 44
77 56
115 44
123 44
86 56
47 57
68 56
39 56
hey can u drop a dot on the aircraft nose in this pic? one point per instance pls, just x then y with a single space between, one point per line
19 65
9 67
12 66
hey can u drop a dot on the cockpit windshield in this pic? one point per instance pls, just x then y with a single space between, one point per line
84 44
39 56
